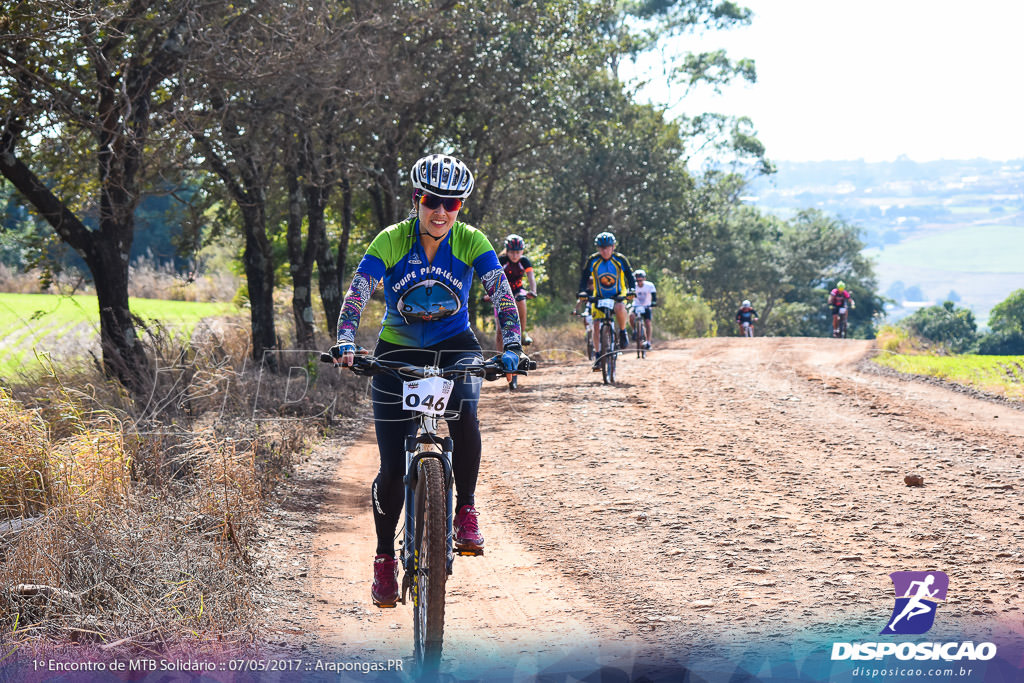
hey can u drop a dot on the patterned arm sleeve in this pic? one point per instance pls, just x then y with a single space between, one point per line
497 287
359 293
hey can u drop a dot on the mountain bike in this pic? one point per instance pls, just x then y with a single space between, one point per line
839 330
747 328
513 378
607 345
588 332
640 331
427 548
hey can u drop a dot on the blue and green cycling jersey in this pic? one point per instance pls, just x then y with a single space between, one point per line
426 302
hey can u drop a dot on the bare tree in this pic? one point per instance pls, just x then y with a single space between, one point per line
89 81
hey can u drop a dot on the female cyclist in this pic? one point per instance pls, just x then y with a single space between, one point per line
425 265
516 267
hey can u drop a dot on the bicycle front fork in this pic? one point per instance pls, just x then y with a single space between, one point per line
413 454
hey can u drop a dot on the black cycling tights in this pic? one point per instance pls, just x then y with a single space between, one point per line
393 423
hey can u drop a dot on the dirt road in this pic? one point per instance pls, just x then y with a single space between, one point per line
725 492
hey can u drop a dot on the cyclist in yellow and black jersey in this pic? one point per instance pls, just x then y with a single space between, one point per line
612 276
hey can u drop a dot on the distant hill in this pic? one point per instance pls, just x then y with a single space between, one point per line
936 229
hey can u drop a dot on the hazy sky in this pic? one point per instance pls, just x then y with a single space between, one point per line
876 79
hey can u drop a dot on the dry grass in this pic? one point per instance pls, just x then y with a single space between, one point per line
148 279
131 521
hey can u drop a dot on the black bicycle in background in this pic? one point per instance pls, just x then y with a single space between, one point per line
588 331
427 548
607 343
640 330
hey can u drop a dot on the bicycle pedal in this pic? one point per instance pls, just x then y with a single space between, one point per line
386 605
469 551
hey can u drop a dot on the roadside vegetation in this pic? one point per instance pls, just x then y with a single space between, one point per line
997 375
943 342
129 522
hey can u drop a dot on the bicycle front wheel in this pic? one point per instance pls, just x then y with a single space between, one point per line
431 565
606 350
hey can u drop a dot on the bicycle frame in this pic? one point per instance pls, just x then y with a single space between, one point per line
840 322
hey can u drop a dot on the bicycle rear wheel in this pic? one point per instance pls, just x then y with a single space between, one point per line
431 566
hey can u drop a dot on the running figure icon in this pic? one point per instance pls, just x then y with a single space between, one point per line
917 595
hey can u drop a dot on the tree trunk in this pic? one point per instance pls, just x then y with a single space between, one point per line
105 252
300 261
259 274
332 264
123 355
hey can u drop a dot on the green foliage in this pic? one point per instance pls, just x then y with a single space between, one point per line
1004 342
947 325
1001 375
679 313
786 268
1008 314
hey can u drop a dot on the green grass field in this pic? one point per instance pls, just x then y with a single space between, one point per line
969 248
62 325
1001 375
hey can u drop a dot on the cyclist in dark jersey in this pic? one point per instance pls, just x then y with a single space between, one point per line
425 265
516 267
746 314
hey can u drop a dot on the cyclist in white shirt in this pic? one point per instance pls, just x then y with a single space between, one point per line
646 298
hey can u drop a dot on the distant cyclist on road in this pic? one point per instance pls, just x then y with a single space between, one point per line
612 277
646 299
745 318
517 266
425 265
841 301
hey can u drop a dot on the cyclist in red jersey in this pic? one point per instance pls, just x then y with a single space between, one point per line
841 301
517 267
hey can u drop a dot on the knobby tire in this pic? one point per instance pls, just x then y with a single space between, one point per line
431 566
607 354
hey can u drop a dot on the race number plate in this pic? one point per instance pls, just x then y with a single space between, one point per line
606 303
842 310
429 395
639 309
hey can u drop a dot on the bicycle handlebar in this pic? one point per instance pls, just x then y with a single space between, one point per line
368 366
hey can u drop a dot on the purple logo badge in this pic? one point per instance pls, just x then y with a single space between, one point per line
917 596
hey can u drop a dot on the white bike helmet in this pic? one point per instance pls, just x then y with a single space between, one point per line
746 302
443 176
639 273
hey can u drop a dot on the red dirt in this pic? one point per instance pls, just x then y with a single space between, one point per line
725 492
